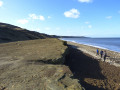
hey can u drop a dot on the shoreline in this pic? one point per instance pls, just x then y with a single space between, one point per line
90 70
113 59
94 46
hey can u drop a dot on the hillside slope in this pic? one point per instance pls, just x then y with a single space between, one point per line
11 33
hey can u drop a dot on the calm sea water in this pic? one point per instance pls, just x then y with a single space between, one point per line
105 43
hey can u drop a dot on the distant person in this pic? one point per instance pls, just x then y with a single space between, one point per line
101 53
104 55
97 52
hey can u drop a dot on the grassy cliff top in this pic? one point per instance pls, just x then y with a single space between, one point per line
40 49
35 64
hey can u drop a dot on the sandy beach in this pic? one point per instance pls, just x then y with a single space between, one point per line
92 72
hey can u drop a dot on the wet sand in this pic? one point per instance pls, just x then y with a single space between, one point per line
92 72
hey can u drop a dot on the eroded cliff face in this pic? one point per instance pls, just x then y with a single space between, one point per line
35 65
91 70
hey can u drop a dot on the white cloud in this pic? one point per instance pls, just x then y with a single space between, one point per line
47 28
108 17
87 22
89 26
73 13
41 18
1 3
49 17
22 21
85 1
34 16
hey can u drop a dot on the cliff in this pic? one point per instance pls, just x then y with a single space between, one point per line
33 64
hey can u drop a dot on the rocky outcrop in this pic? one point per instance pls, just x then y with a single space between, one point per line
35 65
39 77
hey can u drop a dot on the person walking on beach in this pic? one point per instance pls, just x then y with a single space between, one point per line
104 55
101 53
97 52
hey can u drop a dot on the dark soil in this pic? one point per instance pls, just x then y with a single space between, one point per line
93 74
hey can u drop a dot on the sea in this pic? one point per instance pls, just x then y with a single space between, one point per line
112 44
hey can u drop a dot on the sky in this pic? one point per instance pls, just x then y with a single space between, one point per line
90 18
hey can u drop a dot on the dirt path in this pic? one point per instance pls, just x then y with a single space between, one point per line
93 74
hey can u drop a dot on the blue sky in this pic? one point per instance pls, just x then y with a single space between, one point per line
91 18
